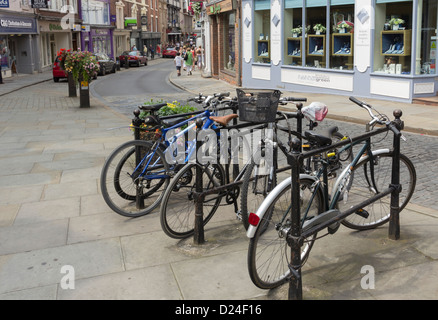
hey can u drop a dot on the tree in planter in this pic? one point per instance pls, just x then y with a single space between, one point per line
83 67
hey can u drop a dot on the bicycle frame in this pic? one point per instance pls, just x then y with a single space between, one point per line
191 144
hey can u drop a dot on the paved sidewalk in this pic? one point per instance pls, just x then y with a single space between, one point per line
53 220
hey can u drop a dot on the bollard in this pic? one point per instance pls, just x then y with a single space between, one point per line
127 62
394 218
136 122
295 282
199 198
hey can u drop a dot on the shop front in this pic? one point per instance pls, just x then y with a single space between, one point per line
98 39
18 39
384 49
52 38
224 40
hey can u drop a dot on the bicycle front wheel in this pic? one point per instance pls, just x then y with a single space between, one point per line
129 189
177 213
363 188
268 262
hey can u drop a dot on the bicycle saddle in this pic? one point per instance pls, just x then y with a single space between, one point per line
153 107
317 139
223 120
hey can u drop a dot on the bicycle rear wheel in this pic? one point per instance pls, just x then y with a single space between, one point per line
362 188
268 262
125 188
177 213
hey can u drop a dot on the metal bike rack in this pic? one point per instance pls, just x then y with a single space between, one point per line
296 237
200 195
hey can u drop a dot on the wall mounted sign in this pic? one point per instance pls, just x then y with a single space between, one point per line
4 3
39 4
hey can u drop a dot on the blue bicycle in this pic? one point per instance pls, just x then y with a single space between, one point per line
136 174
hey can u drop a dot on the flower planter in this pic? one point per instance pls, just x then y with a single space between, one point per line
395 26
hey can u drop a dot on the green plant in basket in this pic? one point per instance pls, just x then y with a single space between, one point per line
172 108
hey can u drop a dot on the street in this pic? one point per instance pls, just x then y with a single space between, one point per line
125 90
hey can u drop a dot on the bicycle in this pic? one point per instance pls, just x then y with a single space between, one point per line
260 178
179 204
366 176
136 173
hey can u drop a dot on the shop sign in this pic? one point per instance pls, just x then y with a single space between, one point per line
39 4
4 3
85 28
221 6
55 27
130 22
76 27
15 23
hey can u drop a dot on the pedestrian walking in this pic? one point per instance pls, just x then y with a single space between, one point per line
178 63
145 50
183 55
189 62
199 54
2 53
151 49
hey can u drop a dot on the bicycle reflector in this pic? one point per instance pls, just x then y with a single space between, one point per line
253 219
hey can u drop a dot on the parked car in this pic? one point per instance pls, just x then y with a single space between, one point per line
57 72
169 52
134 57
106 64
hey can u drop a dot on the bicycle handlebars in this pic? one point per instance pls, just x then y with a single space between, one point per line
375 119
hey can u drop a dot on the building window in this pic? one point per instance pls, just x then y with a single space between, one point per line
393 37
293 27
262 30
426 46
342 34
229 45
316 49
4 61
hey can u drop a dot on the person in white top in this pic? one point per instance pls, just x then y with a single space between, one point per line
178 63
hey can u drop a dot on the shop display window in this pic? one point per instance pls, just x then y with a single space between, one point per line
293 33
229 42
316 22
426 53
262 30
342 35
393 37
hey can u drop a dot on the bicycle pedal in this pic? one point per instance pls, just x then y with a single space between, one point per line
363 213
239 215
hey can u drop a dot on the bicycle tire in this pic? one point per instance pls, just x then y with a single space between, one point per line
268 251
118 179
379 211
256 185
177 212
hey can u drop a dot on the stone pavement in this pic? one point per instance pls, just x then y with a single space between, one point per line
55 226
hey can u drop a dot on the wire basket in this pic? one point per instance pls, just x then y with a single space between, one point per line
258 105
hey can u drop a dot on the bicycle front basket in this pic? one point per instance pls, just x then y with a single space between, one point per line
258 105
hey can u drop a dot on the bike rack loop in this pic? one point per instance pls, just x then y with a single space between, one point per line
199 195
296 238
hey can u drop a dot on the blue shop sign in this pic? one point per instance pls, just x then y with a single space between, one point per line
4 3
11 24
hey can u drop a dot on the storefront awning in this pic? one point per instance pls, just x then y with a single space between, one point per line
173 33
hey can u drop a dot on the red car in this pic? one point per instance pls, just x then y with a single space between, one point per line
169 52
57 72
135 58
